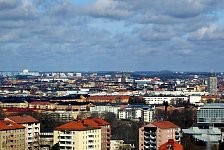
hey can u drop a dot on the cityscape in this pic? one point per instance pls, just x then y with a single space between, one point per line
111 110
111 75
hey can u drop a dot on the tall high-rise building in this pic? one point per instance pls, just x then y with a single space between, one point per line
212 85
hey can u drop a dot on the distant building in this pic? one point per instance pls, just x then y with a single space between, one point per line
153 135
105 108
14 104
32 130
211 114
160 99
12 136
61 116
136 112
119 144
212 85
91 133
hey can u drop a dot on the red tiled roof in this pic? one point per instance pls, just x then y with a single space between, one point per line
41 103
108 97
101 122
23 119
171 143
210 96
164 124
86 124
9 125
76 126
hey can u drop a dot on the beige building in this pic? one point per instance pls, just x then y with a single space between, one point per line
12 136
154 134
14 104
85 134
32 130
42 105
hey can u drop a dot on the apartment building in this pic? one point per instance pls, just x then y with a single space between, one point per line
153 135
152 100
32 130
105 108
13 104
12 136
136 112
91 133
42 105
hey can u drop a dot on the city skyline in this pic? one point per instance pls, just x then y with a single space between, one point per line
111 35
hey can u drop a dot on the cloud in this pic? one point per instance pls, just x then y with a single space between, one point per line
111 35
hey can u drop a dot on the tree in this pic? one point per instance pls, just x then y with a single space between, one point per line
55 147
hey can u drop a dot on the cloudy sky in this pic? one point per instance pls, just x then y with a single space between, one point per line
119 35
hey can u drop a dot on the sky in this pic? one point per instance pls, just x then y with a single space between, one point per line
112 35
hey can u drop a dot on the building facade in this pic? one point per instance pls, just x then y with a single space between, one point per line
91 133
32 130
12 136
212 85
211 115
153 135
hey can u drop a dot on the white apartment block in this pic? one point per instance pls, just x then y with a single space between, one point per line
136 112
152 100
105 108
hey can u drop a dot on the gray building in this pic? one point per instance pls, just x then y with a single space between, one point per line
211 115
212 135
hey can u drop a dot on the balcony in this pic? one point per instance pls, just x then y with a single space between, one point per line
64 140
153 142
90 141
91 147
153 134
66 145
147 143
147 147
152 137
147 133
177 137
146 138
65 135
177 133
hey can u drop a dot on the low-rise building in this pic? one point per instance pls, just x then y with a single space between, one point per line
151 100
42 105
105 108
13 104
136 112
